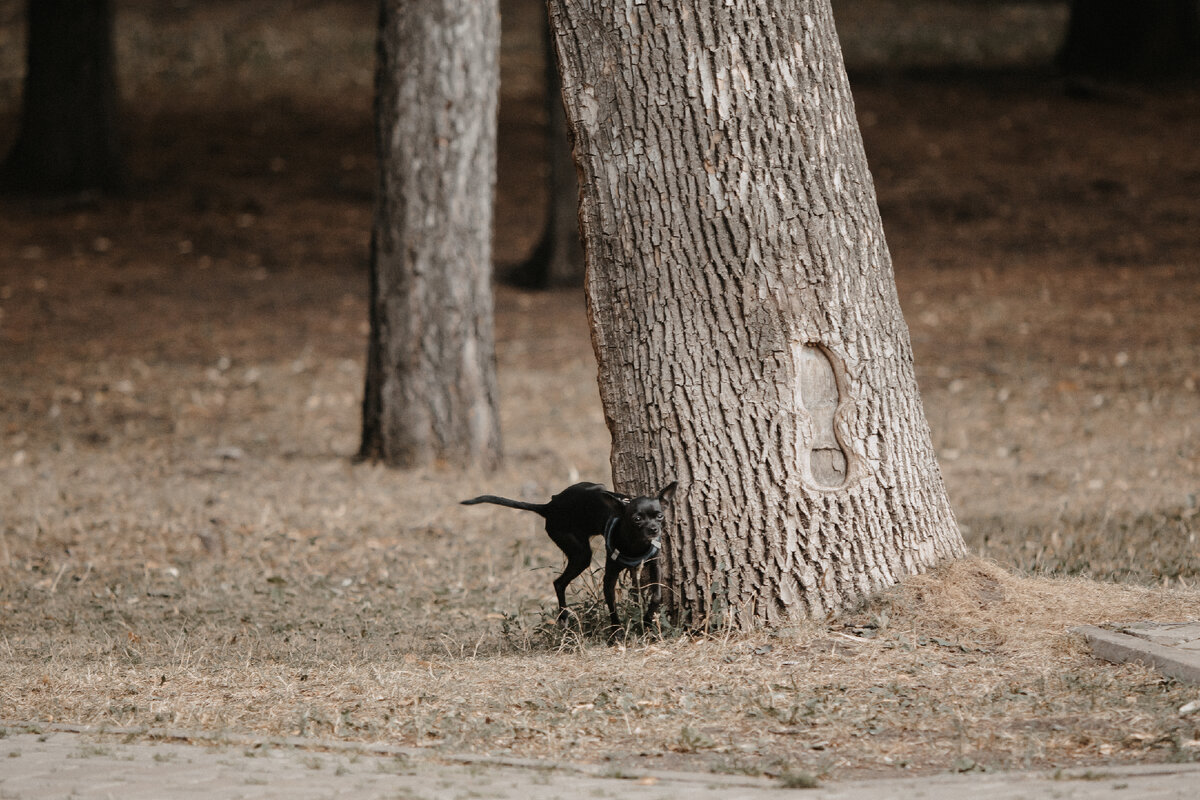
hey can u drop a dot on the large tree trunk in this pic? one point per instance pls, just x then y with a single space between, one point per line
67 140
743 306
1122 39
431 386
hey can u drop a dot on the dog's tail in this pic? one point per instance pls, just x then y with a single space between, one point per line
537 508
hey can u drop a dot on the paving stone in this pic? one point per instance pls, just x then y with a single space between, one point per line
1177 658
1169 634
49 766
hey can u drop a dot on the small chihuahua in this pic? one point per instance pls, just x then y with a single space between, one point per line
632 529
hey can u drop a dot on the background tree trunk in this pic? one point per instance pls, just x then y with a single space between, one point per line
430 385
565 264
67 140
557 259
743 306
1147 39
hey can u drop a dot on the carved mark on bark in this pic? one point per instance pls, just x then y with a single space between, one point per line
820 395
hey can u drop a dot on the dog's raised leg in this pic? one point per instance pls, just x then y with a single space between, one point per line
579 556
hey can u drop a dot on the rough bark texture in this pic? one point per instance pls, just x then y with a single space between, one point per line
67 141
431 387
744 311
1122 39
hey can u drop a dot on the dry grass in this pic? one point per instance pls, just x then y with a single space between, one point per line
968 667
184 542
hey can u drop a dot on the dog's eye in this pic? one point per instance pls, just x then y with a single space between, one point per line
659 515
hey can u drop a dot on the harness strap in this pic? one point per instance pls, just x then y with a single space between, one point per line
615 554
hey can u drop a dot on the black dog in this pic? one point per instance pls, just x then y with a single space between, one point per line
632 528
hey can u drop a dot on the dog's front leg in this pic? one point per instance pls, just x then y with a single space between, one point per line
612 572
650 584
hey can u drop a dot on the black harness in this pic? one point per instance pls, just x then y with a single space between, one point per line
615 554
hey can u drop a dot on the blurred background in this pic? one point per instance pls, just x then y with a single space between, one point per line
209 318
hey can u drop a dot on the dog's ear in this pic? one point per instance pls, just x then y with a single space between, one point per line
667 492
615 502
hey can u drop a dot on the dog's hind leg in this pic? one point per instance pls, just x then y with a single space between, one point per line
579 556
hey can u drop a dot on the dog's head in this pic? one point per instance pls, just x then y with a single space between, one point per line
642 518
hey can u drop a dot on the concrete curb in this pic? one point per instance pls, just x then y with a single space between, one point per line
86 766
317 745
1183 665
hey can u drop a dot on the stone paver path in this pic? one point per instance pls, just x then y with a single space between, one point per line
48 766
1173 648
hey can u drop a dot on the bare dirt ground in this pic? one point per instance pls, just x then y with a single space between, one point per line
185 543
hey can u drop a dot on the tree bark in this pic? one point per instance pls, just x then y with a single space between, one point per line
430 386
67 140
743 306
1151 39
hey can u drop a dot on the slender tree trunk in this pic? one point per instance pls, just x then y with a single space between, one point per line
743 306
431 387
67 140
557 259
1147 39
565 264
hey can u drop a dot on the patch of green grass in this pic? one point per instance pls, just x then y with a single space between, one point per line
738 767
1099 545
798 779
1086 775
91 751
692 739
